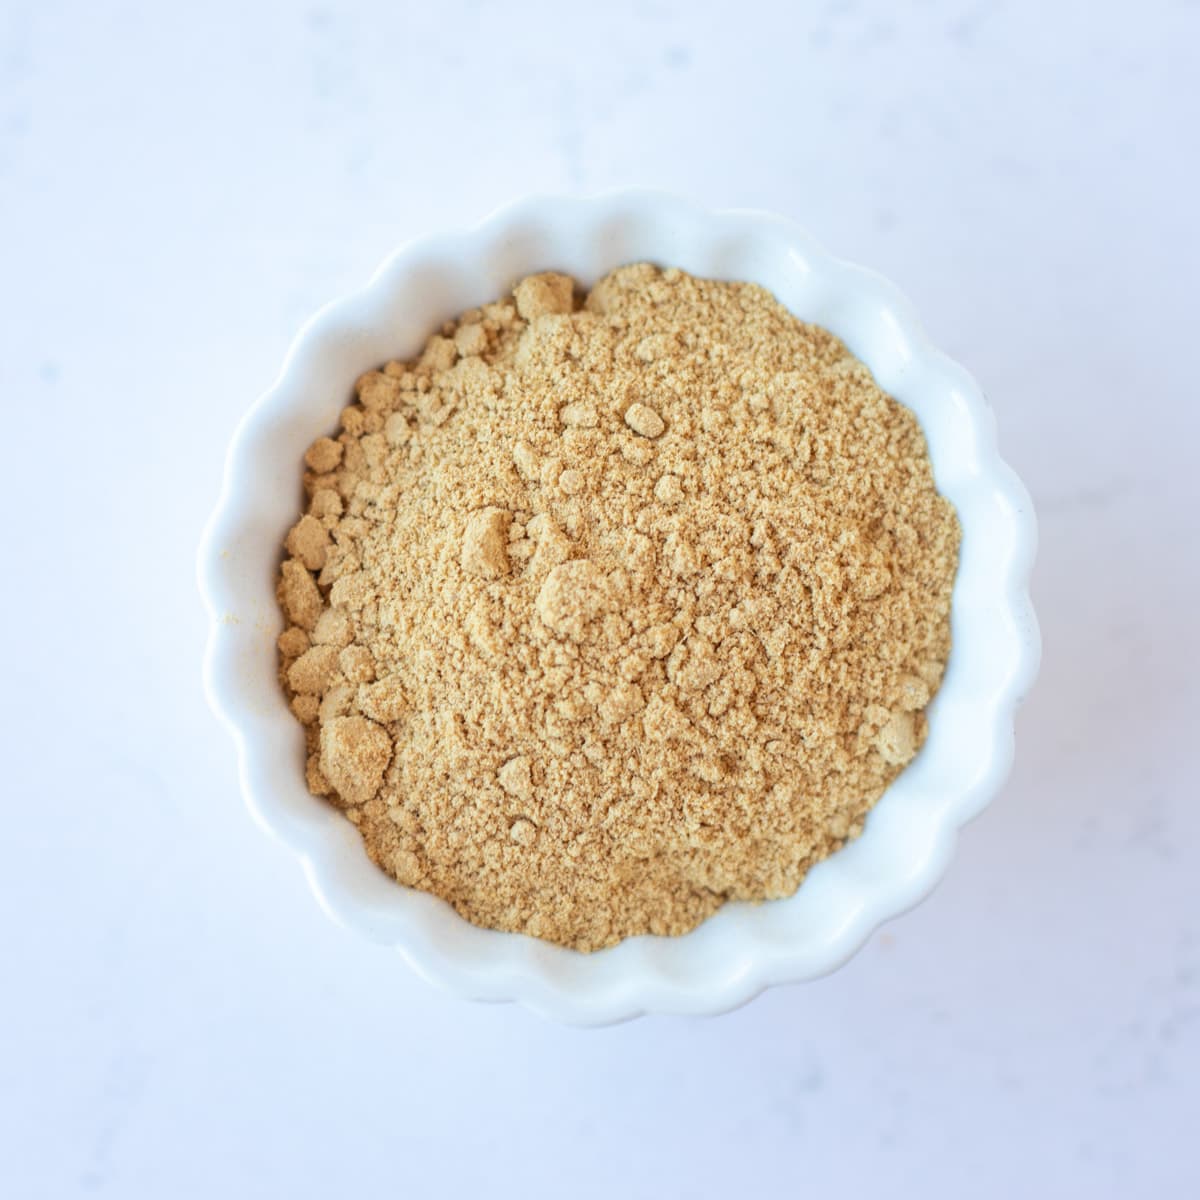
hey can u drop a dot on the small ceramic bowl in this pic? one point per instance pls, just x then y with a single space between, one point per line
744 948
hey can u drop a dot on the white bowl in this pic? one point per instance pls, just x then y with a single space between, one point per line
744 948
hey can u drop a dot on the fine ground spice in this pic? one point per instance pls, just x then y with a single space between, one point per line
607 610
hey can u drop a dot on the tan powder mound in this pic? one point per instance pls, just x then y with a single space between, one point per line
604 613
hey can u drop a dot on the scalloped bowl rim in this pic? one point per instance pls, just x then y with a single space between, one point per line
909 835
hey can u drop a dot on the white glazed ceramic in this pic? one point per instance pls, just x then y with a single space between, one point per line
744 948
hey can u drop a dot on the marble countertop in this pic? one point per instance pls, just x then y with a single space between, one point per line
180 187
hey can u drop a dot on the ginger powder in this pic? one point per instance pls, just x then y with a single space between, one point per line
609 608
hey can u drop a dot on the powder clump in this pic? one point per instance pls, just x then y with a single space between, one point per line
608 609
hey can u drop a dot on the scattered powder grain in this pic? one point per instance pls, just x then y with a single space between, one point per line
606 611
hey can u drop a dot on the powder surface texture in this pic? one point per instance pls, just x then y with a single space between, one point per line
608 609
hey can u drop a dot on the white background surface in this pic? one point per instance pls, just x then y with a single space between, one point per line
179 187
